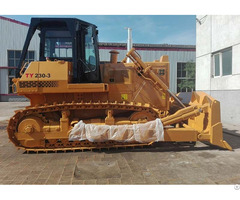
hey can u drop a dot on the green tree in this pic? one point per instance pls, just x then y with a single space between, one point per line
189 82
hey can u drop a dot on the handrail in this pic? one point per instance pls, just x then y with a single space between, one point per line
14 91
24 66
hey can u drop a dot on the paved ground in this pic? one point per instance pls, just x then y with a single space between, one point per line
163 164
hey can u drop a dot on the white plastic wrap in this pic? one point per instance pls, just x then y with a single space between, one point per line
144 133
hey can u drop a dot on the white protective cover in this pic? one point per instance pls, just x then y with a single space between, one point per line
144 133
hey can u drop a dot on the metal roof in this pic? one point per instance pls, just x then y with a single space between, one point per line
105 45
13 21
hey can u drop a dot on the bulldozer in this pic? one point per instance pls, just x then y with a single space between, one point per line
80 103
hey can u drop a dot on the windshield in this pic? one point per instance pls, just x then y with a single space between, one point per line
58 44
90 55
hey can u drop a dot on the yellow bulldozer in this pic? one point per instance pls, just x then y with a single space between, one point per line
78 103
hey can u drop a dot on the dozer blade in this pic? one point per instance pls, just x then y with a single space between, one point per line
208 122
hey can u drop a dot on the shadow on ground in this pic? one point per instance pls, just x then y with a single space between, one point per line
156 147
232 139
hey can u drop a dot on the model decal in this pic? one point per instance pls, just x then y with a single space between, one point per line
38 75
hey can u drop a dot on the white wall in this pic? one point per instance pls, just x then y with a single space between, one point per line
225 31
213 34
13 37
203 72
4 81
203 39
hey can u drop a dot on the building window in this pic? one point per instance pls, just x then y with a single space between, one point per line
181 70
14 57
222 63
185 77
217 64
13 61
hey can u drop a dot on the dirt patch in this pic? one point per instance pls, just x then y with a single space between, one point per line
97 170
207 155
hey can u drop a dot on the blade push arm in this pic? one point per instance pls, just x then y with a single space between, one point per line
146 71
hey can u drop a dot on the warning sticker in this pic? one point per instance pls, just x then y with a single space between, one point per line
163 95
124 96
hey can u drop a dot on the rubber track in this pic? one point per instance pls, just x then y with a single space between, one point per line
37 110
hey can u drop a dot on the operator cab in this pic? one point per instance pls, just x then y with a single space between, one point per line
67 39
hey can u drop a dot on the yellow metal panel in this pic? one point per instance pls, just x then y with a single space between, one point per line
94 87
180 134
56 70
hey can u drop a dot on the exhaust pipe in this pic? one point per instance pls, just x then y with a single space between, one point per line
114 56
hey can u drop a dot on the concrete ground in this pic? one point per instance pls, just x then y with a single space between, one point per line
164 163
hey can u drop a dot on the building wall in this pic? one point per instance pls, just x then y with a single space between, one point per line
214 34
12 37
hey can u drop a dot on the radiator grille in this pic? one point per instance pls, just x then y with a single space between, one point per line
41 84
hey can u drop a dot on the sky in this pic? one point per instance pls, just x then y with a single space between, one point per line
147 29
